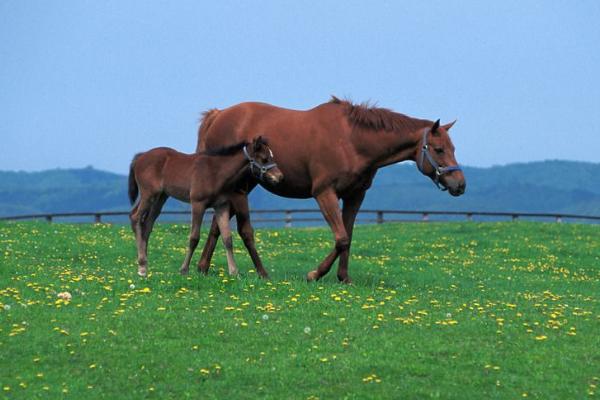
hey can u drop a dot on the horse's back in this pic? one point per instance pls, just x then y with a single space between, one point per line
246 120
297 138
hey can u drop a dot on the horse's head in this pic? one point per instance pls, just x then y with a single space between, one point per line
261 160
435 159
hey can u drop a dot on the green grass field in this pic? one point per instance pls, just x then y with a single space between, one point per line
441 310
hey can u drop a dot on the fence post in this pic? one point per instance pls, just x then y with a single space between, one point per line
425 217
288 219
515 217
97 218
558 219
380 217
469 217
49 218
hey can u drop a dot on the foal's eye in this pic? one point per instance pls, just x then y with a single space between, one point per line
439 150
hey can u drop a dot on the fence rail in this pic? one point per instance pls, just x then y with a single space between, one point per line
286 216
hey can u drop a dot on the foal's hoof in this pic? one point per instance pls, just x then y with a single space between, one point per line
346 280
203 268
312 276
184 271
142 272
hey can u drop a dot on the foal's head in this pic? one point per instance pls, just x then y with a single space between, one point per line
261 160
435 159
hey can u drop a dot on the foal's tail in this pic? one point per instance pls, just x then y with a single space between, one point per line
133 187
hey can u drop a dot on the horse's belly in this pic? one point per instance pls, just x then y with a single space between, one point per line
293 191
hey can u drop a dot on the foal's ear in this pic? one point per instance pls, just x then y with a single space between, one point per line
448 126
435 127
257 142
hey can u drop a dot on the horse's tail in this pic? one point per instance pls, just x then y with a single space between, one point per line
207 119
133 186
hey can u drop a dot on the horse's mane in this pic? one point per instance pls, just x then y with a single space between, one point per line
225 150
377 118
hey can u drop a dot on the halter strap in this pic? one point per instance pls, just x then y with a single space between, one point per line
439 171
262 168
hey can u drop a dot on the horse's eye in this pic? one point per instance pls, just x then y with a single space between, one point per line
439 150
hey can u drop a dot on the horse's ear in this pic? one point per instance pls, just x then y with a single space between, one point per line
448 126
435 127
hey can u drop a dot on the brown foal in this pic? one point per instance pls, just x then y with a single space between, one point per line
205 179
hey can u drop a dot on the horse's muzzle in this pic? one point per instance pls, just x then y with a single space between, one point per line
456 188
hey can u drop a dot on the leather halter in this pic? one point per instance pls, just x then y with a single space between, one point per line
439 170
258 166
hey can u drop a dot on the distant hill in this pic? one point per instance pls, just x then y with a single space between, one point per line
548 186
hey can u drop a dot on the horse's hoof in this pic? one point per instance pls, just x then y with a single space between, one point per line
346 280
184 271
312 276
143 274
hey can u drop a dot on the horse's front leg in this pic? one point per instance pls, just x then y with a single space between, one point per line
222 216
351 207
328 203
198 209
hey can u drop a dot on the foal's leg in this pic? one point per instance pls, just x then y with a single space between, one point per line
213 235
138 219
198 209
133 218
209 247
222 216
246 232
328 203
154 211
351 207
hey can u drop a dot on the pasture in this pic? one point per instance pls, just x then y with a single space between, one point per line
437 310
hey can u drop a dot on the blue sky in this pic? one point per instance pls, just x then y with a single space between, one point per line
91 83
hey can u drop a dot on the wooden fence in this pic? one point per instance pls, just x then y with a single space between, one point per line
308 216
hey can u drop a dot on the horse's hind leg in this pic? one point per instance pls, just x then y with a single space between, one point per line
222 216
246 232
209 247
198 209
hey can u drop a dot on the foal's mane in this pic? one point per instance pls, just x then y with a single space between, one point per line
225 150
376 118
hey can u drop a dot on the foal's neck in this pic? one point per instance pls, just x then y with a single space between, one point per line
223 167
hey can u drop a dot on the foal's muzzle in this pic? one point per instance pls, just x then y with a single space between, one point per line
261 171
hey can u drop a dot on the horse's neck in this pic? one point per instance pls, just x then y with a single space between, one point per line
381 148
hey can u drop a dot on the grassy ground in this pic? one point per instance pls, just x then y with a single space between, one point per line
443 310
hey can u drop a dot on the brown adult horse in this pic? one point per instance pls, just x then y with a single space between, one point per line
331 152
204 179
